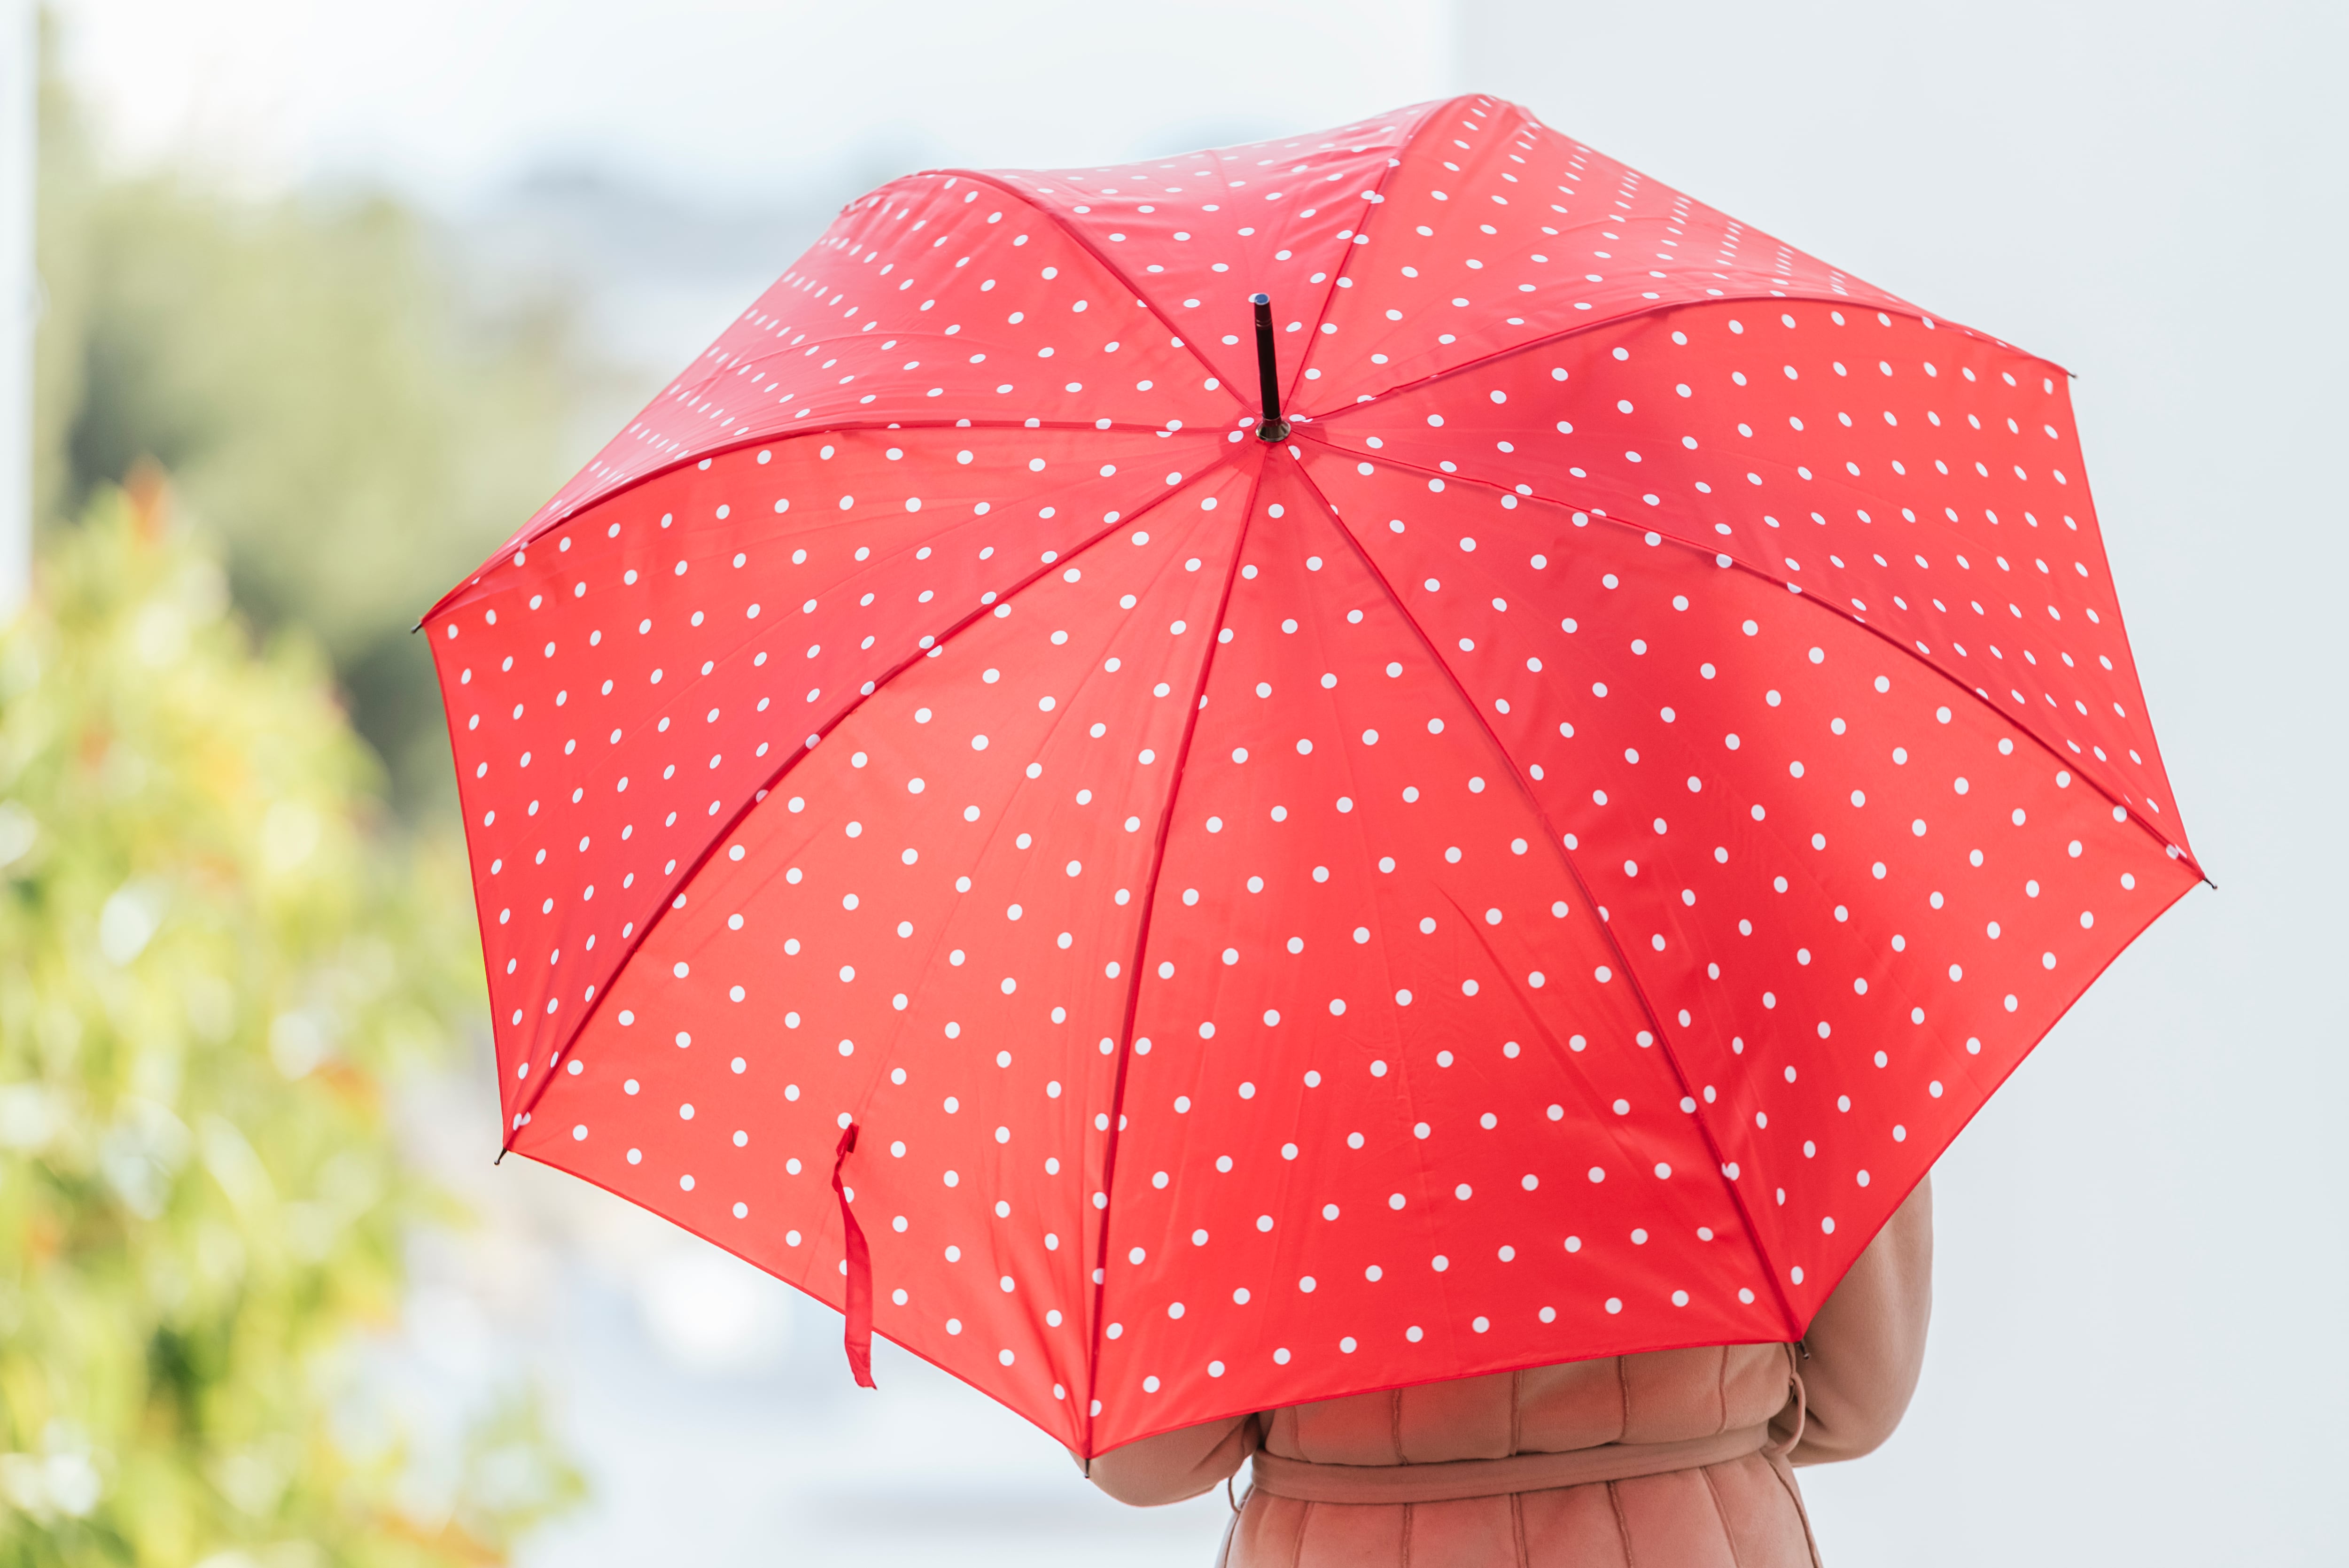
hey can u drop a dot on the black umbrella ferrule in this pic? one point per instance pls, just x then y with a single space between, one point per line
1271 427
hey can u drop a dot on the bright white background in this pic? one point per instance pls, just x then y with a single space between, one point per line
733 99
2144 1252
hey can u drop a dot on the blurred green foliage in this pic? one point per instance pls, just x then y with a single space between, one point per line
228 934
214 968
331 390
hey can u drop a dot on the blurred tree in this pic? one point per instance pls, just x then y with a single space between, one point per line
212 972
329 390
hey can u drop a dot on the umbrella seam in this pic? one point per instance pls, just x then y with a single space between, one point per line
1116 273
776 777
1410 140
1377 195
1665 307
1141 947
1793 1321
533 533
2127 650
847 585
1794 591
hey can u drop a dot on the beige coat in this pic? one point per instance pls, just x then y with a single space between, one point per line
1857 1368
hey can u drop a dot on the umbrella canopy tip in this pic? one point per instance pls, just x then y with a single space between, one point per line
1270 425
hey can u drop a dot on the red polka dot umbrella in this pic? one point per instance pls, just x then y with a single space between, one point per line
1531 862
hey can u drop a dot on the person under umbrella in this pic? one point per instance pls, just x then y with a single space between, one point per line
1675 1458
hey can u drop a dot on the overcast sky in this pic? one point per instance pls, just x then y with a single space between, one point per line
733 97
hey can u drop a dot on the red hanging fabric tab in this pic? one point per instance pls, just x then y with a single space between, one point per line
858 1339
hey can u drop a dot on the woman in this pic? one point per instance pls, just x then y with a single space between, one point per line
1676 1458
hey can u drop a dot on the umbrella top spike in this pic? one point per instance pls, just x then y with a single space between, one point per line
1271 427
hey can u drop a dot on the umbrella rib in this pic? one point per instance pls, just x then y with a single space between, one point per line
1661 308
1117 273
532 534
1377 194
849 585
1795 592
775 778
1140 948
1793 1321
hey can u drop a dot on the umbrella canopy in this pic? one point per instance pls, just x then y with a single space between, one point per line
1535 862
